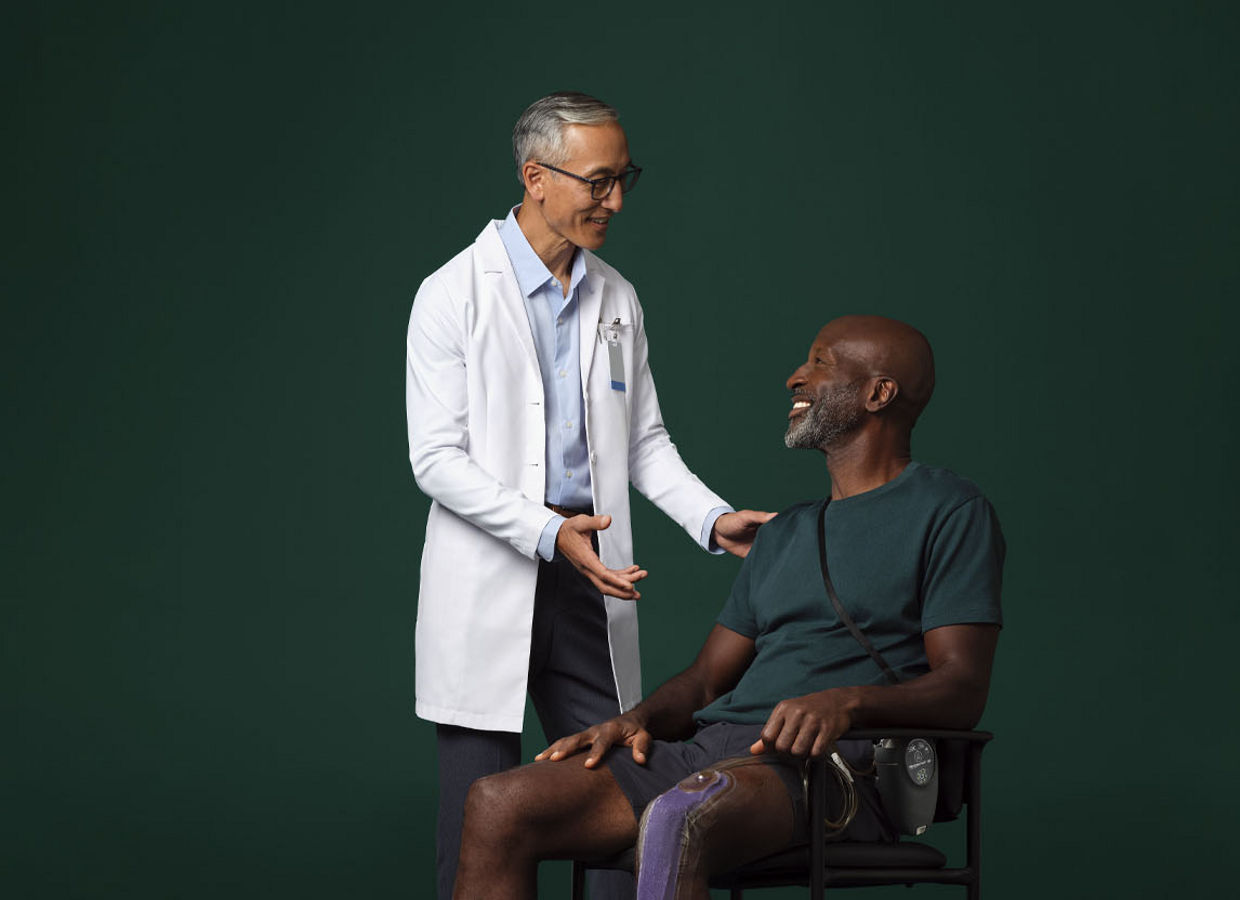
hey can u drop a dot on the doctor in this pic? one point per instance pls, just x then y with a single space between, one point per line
531 408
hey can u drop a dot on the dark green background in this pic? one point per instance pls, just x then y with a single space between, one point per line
216 216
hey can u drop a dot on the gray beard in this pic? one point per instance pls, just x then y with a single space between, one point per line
832 415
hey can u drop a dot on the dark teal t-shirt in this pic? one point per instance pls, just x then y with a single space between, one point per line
919 552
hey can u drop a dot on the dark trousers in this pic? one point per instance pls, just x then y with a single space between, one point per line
572 687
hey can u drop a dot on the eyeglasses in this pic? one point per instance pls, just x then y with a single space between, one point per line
600 188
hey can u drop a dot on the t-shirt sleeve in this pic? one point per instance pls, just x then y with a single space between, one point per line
964 576
737 614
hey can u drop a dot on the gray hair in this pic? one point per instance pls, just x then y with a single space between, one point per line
539 133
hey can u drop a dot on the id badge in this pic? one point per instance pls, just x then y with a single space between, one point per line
615 354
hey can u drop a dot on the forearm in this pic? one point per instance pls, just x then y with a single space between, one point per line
450 477
942 698
448 466
951 695
668 712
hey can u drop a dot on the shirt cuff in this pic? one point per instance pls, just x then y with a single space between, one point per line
708 539
546 543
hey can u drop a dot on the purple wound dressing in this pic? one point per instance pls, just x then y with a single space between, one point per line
667 828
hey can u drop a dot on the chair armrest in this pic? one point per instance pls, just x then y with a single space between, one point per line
876 734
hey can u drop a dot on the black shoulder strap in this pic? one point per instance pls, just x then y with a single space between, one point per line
839 607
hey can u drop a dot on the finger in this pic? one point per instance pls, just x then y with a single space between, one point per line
641 747
803 741
787 733
757 517
789 727
611 590
599 746
584 524
822 745
549 749
619 577
774 723
558 750
563 747
616 584
766 740
588 563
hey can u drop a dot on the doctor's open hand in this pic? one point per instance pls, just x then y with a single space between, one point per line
573 540
735 531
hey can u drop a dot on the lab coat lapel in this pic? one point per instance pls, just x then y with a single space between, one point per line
496 265
590 301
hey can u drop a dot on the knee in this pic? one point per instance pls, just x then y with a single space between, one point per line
671 831
493 808
675 814
496 808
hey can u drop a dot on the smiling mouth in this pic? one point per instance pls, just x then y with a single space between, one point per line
798 408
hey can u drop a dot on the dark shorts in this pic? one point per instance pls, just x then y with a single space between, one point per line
670 762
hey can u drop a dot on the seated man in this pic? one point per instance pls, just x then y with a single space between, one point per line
915 555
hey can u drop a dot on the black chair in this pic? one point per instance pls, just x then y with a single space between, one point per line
819 865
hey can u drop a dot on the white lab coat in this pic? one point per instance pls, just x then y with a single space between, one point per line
477 439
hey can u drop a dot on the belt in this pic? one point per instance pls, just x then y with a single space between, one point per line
569 513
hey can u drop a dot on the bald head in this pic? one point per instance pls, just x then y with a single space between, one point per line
879 347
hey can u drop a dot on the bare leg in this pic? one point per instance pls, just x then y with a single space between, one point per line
713 821
546 810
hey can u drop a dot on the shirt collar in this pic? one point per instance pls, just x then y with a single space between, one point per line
532 273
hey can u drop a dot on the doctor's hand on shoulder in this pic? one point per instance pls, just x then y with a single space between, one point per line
735 531
573 540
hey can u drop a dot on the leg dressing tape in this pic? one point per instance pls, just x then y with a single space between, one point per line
667 832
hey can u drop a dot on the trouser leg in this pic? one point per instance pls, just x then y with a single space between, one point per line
465 755
571 681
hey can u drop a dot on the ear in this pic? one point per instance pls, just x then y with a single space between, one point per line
534 175
882 393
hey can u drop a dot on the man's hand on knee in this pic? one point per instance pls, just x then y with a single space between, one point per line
624 731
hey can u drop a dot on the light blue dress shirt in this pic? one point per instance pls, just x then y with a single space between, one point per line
557 341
